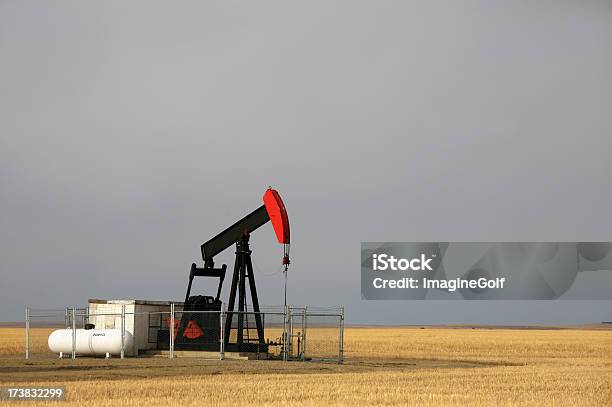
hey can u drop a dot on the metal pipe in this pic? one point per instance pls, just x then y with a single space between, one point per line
122 331
304 328
27 333
73 355
290 333
341 345
221 338
285 344
171 330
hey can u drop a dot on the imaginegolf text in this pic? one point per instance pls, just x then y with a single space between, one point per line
450 285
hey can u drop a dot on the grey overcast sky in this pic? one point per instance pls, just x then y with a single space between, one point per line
131 132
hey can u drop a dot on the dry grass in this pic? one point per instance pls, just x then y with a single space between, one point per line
12 340
385 366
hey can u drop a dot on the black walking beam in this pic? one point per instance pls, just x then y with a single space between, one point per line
233 234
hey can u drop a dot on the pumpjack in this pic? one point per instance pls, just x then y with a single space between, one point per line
201 331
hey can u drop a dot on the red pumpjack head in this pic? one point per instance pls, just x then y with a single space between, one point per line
279 218
278 215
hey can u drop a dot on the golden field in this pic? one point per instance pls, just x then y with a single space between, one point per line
383 366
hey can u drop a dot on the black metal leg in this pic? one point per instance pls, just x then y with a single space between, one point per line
241 301
232 300
243 269
260 331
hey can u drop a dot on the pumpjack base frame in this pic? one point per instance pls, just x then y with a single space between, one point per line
243 281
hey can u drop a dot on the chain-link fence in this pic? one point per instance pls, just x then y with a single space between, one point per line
322 333
288 333
39 324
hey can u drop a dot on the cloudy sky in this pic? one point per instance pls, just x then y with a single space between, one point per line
131 132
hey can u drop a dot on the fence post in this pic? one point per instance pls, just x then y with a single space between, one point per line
27 332
221 333
74 336
341 345
304 328
171 330
290 335
122 331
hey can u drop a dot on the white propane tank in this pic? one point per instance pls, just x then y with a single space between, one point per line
90 342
